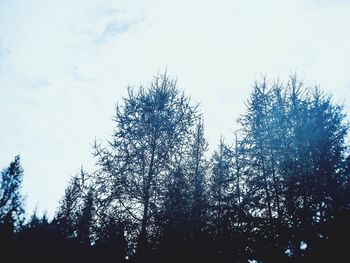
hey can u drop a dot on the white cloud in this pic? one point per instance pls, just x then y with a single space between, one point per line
64 65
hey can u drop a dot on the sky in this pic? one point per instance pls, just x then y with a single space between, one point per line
65 64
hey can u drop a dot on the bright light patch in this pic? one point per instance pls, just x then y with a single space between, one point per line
303 245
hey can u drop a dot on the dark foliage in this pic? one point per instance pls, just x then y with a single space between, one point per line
279 193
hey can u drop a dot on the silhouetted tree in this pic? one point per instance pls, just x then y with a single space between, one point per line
11 207
11 199
111 244
152 127
197 168
280 192
85 220
294 140
69 211
175 218
226 194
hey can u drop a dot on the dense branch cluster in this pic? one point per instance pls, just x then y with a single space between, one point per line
278 192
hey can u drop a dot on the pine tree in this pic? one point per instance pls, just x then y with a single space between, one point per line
175 217
67 215
197 170
85 220
11 199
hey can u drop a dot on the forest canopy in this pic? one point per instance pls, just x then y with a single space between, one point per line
278 191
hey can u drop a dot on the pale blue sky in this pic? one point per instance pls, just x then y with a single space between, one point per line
65 64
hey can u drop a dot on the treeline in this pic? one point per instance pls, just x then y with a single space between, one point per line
279 191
